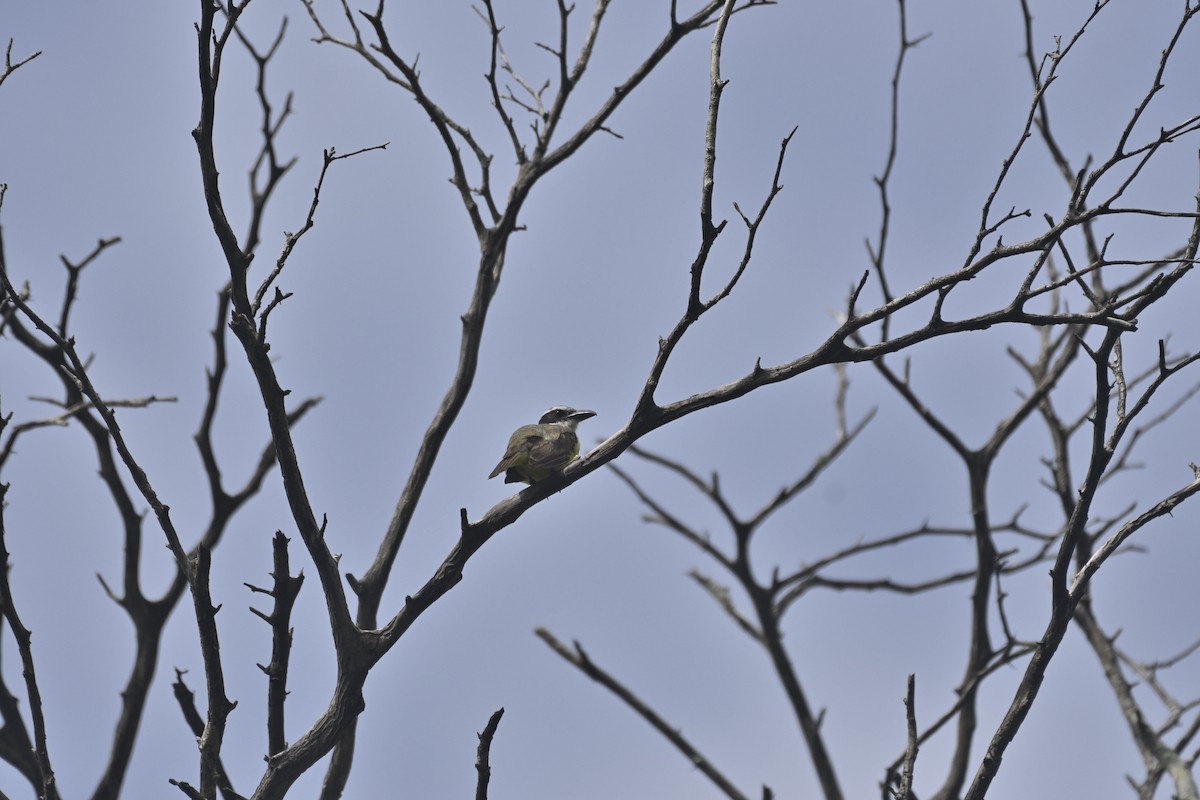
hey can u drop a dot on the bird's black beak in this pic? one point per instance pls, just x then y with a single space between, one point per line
580 416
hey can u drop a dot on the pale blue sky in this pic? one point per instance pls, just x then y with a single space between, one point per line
95 142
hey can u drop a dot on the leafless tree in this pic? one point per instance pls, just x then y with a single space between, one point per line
1082 305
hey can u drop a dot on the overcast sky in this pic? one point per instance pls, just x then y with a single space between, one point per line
95 142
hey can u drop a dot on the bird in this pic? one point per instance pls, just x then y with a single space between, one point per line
535 452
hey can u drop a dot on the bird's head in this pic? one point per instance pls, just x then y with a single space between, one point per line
565 415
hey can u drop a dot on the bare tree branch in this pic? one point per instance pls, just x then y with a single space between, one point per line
186 699
285 587
482 762
40 774
1159 757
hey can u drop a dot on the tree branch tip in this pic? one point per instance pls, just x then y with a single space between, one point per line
107 590
186 788
914 42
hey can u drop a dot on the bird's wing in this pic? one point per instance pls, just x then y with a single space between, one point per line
501 467
519 445
552 452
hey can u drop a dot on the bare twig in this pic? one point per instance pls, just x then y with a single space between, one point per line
1159 757
878 252
73 272
291 239
904 792
268 160
9 66
579 658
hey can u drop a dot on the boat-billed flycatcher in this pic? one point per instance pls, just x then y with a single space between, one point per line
535 452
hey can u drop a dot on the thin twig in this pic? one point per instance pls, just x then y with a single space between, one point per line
579 658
